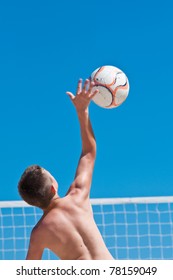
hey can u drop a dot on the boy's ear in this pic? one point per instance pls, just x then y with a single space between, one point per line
53 189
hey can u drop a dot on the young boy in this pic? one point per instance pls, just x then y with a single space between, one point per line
67 226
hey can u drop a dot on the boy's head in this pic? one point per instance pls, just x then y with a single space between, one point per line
37 186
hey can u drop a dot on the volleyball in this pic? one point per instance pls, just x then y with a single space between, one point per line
113 86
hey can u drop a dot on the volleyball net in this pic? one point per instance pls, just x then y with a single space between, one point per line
132 228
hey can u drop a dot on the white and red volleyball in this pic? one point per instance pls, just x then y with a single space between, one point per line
113 86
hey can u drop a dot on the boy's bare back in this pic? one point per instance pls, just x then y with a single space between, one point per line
69 230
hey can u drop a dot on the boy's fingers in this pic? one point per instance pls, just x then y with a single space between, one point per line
91 86
70 94
86 85
93 93
79 86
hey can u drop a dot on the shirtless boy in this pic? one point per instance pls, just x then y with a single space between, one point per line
67 226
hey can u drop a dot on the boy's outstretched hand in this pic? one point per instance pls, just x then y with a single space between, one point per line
83 95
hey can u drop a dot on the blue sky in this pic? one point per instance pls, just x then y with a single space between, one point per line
46 46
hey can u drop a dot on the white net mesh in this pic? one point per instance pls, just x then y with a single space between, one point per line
139 228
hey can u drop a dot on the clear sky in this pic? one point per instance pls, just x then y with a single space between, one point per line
45 47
